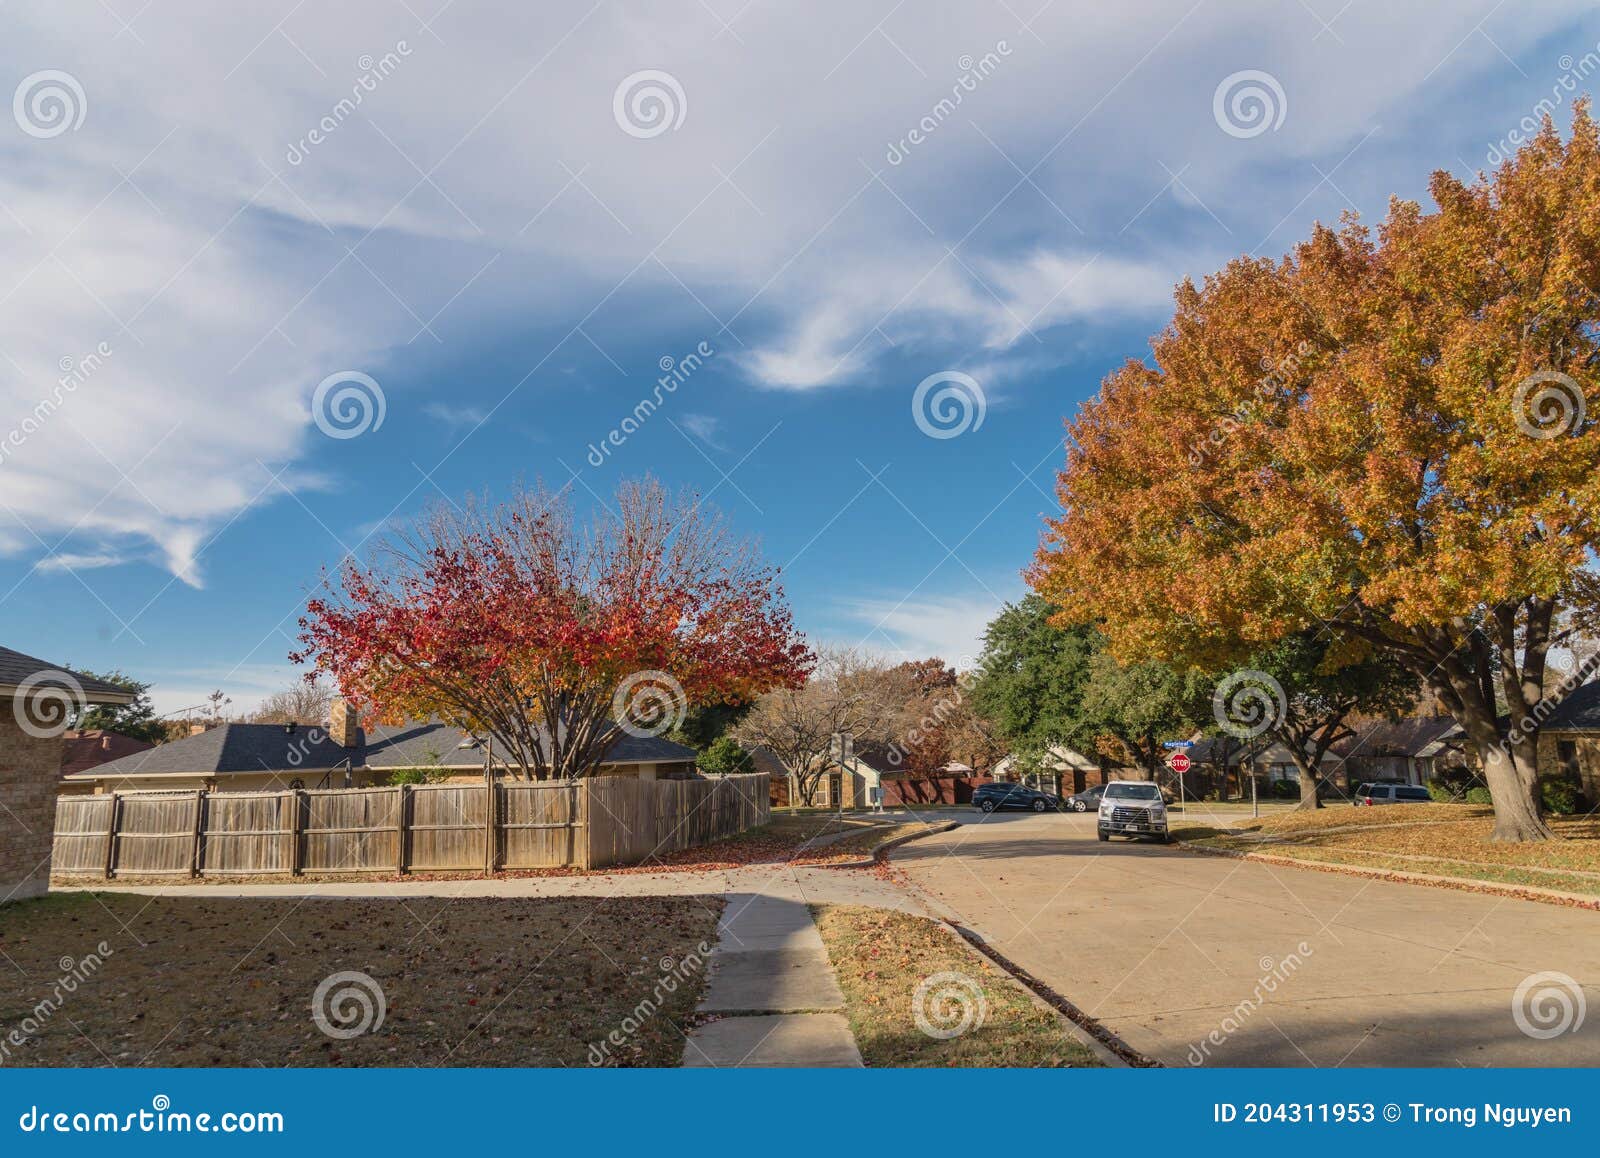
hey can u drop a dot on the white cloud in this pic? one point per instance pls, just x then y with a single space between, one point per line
704 427
246 685
457 417
66 561
928 298
949 627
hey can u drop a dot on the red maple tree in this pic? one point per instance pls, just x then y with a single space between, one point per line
553 637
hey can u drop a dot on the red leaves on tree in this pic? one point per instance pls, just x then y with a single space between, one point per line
518 623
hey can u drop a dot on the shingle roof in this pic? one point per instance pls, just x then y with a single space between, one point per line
233 748
1579 712
1411 736
16 668
85 750
424 744
768 761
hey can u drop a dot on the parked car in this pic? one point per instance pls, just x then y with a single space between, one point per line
993 797
1371 794
1087 799
1133 808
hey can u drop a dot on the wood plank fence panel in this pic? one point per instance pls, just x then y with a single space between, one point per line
607 820
633 820
352 830
447 827
540 824
155 834
248 833
83 824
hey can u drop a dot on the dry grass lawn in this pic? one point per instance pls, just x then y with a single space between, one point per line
229 982
882 957
1437 839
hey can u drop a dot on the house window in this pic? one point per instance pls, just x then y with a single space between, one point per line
1567 754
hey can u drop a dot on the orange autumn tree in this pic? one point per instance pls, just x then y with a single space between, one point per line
552 637
1385 438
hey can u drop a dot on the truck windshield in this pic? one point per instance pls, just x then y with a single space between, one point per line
1133 792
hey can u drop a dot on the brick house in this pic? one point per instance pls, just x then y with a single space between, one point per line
1569 741
36 699
1063 771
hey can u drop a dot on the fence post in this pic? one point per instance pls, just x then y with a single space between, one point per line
297 828
489 825
199 831
400 828
578 815
111 835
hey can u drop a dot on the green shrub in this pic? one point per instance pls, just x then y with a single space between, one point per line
1441 792
1561 796
415 776
1457 779
1286 789
1479 795
724 756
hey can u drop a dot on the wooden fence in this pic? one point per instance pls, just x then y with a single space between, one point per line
590 823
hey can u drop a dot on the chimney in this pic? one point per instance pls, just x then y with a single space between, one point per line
344 724
196 728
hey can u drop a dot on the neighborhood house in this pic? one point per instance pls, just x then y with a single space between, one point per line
260 757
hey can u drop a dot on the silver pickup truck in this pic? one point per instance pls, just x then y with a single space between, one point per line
1133 808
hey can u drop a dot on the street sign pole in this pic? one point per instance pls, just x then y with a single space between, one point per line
1180 764
845 755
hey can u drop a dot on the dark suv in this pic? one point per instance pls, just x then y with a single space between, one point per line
991 797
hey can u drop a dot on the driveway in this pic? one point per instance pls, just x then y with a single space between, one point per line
1200 960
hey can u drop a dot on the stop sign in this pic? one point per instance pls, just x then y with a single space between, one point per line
1180 762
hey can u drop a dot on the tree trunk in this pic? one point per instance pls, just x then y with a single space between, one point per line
1309 781
1511 779
1517 812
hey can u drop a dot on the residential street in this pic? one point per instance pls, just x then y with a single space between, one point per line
1162 946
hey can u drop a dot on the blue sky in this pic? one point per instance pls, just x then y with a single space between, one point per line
507 244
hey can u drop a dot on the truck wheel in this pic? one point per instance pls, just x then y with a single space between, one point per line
1105 836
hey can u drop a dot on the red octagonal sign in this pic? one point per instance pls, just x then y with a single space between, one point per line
1180 762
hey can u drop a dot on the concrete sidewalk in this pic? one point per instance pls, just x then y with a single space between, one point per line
773 990
802 884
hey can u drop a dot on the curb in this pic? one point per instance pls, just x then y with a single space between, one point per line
881 852
1400 876
1096 1038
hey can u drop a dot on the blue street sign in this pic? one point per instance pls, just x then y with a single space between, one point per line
1177 743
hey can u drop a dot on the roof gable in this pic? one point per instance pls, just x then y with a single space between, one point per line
1579 712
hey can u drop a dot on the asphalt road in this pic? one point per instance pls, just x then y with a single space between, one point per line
1200 960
